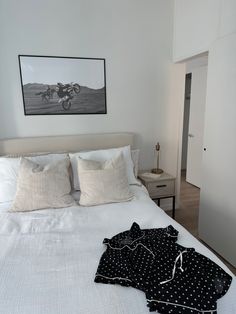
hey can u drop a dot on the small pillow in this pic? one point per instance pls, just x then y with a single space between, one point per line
107 183
102 156
41 187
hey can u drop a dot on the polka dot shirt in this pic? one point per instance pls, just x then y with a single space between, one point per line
175 279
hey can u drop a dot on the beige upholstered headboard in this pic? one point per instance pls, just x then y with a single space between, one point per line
68 143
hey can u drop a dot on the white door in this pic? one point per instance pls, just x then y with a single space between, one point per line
217 215
196 125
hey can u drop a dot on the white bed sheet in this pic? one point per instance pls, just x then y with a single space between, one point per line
48 258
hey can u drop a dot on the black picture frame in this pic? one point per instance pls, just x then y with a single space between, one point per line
43 95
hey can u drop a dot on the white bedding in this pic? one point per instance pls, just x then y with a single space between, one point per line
48 258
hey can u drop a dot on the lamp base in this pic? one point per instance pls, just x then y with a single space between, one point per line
157 171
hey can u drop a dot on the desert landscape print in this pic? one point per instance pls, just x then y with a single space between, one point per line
85 102
59 85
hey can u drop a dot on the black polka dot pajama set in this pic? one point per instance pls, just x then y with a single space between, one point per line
175 279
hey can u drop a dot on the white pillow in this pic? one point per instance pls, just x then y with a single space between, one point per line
104 183
102 156
40 187
9 169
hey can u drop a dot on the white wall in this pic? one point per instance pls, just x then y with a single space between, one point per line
170 116
133 36
198 23
196 26
228 17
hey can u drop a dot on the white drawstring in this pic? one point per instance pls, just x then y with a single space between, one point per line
180 256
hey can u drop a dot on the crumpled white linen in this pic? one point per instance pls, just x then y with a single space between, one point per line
48 258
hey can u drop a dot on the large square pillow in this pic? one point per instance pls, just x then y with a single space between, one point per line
9 169
102 183
102 156
41 187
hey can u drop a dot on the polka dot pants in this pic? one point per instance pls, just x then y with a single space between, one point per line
175 279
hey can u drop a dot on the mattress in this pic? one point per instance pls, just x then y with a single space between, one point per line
48 258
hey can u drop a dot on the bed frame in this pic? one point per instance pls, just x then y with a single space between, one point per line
68 143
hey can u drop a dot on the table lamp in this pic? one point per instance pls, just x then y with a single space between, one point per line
157 170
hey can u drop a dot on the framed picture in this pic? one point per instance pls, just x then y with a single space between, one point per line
63 85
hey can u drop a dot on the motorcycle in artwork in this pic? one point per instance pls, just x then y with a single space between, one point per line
65 93
61 85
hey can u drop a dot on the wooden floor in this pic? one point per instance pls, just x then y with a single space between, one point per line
187 213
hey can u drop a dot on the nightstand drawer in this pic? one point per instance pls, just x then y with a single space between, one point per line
161 188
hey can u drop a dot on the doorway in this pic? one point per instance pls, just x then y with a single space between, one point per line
192 143
193 124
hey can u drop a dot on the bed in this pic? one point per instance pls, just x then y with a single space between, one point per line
48 258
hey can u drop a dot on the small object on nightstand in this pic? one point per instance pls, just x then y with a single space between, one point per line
157 170
159 187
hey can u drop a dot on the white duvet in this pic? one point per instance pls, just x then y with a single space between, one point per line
48 258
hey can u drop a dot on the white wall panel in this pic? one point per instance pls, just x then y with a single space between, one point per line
195 27
228 17
217 218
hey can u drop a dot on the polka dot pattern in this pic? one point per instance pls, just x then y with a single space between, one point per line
175 279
